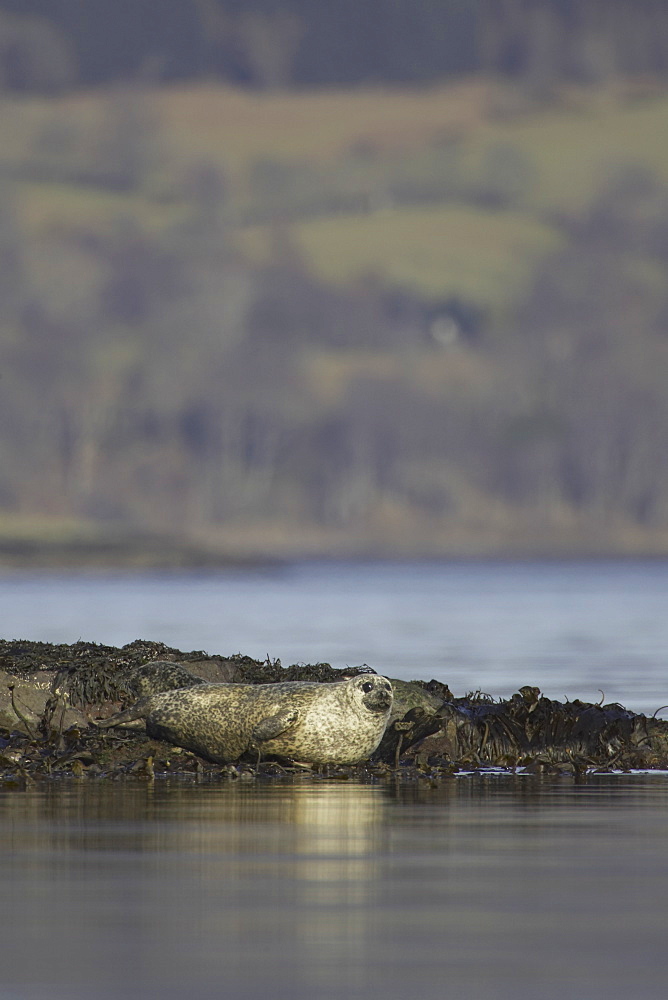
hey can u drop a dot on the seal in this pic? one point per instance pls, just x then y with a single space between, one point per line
416 713
161 675
409 695
304 721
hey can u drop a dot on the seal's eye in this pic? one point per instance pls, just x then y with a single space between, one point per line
367 686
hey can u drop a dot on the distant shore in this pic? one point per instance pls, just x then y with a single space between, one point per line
84 546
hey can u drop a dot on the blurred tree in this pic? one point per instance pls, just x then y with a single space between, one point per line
214 27
506 177
12 269
140 274
34 54
126 146
205 188
270 41
542 42
593 353
313 42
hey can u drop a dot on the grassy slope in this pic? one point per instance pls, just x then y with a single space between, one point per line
439 249
570 143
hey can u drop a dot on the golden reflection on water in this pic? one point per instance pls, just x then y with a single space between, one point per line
223 868
321 891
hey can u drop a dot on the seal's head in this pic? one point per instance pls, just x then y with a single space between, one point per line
374 692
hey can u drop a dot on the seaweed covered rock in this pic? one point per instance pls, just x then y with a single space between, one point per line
50 693
68 682
533 731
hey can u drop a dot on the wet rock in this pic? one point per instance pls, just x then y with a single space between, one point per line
25 700
48 694
87 674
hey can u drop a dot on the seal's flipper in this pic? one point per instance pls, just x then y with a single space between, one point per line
274 725
138 711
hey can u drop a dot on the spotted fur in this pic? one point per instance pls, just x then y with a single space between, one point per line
340 723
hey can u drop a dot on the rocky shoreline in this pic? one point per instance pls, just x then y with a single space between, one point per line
50 696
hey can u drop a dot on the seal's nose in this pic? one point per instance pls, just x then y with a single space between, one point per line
378 700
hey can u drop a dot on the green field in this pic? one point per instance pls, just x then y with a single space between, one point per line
346 150
439 251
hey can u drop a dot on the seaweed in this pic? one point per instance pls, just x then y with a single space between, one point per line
49 693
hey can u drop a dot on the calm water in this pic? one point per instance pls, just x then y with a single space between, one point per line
571 628
483 887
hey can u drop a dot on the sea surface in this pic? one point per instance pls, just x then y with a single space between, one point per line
576 629
492 886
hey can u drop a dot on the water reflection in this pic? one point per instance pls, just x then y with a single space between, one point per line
177 883
478 887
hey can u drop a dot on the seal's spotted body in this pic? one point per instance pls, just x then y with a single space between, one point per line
339 723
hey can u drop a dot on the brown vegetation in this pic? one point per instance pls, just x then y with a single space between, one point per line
49 694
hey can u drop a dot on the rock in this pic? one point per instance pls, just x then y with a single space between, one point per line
31 695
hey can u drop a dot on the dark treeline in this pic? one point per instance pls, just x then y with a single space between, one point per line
46 44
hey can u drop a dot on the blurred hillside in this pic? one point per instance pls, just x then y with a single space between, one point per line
345 320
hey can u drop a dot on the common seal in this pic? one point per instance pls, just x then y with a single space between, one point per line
339 723
409 695
162 675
